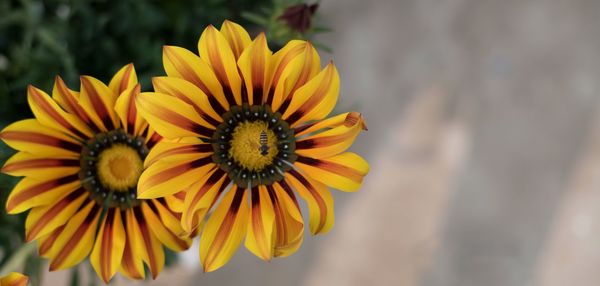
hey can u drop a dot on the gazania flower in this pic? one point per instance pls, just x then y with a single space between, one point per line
14 279
252 133
81 157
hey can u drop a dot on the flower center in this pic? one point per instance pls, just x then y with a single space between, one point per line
253 145
111 164
119 167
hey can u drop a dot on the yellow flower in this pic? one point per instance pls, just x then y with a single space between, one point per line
14 279
81 158
251 132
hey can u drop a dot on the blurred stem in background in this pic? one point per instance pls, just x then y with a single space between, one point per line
42 39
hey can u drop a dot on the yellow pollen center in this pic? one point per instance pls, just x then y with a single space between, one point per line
251 151
119 167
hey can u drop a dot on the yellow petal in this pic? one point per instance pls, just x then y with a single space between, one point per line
31 192
31 136
336 139
164 225
201 196
98 101
76 240
292 66
260 229
215 50
49 113
69 101
189 94
181 63
289 225
146 243
132 265
224 230
344 172
254 66
110 244
318 199
14 279
169 177
174 151
124 79
43 220
236 36
316 99
171 117
46 242
40 166
130 117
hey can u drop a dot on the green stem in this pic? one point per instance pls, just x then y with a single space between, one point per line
18 258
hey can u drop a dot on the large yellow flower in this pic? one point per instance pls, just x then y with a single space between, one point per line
251 132
81 157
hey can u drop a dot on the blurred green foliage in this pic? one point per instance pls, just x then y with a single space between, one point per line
42 39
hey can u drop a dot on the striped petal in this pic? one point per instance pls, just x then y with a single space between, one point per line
152 138
124 79
98 101
43 220
189 94
31 192
318 199
224 230
175 202
165 226
110 244
31 136
76 239
344 172
201 196
40 166
181 63
134 253
130 118
49 113
260 229
254 66
292 66
316 99
289 226
14 279
132 265
215 50
46 242
175 151
166 178
150 247
336 139
236 36
171 117
69 101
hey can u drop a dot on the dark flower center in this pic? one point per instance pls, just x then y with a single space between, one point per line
111 164
254 145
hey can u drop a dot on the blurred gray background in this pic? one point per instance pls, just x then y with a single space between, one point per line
484 145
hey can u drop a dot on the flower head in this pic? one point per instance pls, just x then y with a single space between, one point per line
81 158
249 132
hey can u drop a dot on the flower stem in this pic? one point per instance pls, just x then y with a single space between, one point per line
18 258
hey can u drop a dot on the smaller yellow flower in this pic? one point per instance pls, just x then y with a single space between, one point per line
14 279
80 159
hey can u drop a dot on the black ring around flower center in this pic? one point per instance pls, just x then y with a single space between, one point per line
101 190
238 172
